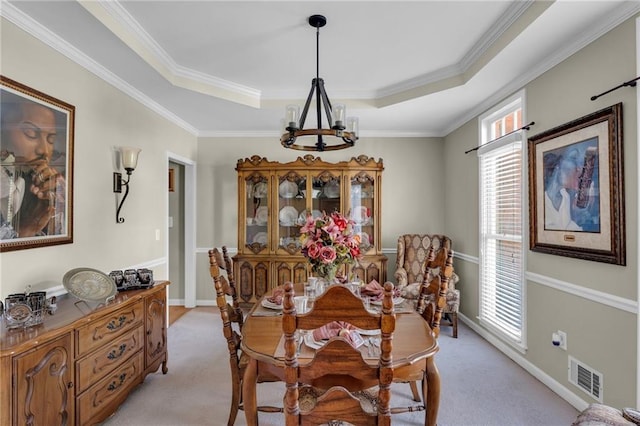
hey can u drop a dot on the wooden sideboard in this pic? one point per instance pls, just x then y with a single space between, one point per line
273 201
80 364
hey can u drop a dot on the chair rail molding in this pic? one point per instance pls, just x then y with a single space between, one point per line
617 302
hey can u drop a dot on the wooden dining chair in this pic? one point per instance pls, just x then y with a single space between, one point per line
412 253
232 321
332 386
438 269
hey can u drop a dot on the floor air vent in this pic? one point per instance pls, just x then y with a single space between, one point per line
586 378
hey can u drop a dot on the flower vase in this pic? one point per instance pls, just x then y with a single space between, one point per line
326 273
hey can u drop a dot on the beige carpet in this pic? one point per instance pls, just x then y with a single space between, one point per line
480 386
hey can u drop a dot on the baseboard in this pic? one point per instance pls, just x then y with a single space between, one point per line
562 391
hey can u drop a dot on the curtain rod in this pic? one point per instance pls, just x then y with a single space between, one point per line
498 138
631 83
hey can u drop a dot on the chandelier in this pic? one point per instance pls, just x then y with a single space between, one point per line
345 129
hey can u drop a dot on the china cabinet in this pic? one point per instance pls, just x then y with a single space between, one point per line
77 367
274 200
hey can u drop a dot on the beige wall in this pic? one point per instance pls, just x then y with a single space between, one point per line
429 185
411 189
105 117
601 335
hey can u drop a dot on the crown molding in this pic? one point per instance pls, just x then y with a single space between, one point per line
474 54
184 75
603 26
26 23
120 22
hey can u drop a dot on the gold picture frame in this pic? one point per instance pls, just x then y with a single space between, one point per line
36 162
576 189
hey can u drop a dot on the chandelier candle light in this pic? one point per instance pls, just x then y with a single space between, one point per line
346 129
329 242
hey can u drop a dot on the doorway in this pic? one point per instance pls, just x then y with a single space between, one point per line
180 242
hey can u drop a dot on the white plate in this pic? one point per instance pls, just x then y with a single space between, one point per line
332 189
310 342
288 189
360 214
288 215
396 301
270 305
261 238
260 190
262 215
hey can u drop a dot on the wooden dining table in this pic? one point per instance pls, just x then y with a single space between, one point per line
414 349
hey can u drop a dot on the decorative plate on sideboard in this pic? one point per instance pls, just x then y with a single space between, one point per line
89 285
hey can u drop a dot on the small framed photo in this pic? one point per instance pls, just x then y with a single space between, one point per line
36 168
576 189
172 180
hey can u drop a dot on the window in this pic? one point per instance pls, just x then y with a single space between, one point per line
501 221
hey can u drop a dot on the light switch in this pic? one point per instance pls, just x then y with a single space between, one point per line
157 235
170 221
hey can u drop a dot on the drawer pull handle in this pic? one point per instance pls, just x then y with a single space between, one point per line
115 385
114 326
114 354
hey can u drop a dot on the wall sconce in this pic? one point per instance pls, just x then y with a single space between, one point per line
129 158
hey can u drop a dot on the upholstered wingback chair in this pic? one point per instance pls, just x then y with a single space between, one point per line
410 269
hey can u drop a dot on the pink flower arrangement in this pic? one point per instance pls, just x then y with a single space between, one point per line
329 242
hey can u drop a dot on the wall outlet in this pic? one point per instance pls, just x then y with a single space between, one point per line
563 339
559 339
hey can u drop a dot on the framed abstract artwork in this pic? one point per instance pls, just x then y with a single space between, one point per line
576 189
36 168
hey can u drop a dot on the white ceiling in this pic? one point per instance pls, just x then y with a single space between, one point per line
405 68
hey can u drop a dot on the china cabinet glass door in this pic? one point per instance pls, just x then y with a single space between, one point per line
257 213
291 210
361 200
327 187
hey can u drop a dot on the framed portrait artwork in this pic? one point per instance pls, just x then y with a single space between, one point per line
576 189
36 168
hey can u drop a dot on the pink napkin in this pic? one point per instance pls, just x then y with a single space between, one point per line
276 296
338 328
375 291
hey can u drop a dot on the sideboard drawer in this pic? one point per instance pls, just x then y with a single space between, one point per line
114 387
108 357
107 328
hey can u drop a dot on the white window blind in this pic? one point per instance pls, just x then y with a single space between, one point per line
501 263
